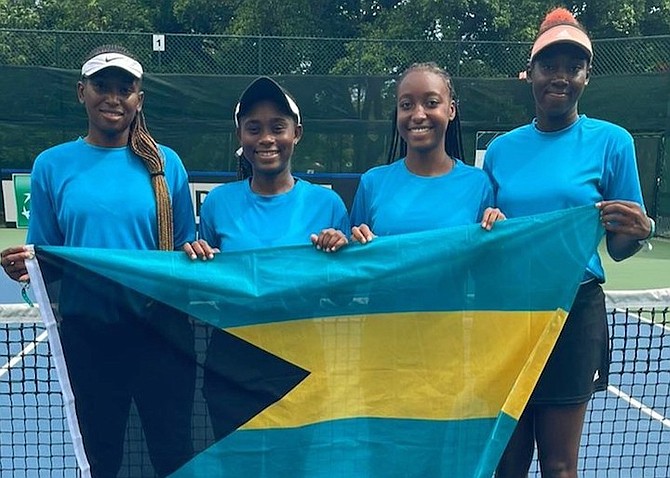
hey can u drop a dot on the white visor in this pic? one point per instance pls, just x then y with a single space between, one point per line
108 60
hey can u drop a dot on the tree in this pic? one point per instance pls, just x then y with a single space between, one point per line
457 34
657 19
94 15
18 14
204 16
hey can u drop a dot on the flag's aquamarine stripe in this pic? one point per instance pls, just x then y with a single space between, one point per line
363 447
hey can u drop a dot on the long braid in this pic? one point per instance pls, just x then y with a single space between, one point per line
392 154
398 147
143 145
453 140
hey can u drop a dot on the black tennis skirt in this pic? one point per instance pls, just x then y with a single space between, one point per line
579 363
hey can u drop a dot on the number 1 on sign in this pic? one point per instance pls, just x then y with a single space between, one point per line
159 42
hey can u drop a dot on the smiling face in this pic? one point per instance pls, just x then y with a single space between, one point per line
268 137
112 98
425 108
558 75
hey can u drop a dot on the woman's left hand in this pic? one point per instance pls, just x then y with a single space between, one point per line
329 240
625 217
201 249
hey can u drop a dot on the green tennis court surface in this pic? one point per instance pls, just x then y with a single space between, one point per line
645 270
11 236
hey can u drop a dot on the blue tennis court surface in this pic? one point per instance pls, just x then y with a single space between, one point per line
10 291
627 432
34 439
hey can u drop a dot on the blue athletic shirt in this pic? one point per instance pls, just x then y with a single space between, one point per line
89 196
534 171
393 200
233 217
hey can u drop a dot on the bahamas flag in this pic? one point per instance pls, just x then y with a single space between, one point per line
411 356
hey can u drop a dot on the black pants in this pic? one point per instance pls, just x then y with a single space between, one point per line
148 358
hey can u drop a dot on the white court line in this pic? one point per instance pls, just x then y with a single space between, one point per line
639 405
627 398
629 300
644 319
18 357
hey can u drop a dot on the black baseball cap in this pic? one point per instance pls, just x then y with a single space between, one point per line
265 89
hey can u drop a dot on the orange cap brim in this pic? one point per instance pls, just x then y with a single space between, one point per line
562 33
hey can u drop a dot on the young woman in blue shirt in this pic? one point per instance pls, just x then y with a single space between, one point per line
266 207
429 186
565 159
116 188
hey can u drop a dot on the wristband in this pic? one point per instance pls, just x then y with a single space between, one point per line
652 231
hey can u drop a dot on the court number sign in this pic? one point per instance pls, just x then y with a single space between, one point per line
159 42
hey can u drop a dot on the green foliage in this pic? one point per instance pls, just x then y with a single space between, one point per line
18 14
515 20
203 16
657 19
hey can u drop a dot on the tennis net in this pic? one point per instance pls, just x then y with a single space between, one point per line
627 430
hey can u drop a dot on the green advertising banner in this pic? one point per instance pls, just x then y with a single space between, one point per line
22 195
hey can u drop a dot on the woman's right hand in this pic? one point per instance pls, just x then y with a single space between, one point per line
362 234
491 216
329 240
13 260
199 249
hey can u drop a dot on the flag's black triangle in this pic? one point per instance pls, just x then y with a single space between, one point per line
241 380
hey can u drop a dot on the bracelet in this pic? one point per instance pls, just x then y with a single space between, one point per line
652 232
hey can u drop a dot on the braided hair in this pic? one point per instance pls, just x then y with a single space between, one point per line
145 147
453 141
243 166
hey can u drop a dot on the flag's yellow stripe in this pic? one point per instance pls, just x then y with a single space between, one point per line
439 366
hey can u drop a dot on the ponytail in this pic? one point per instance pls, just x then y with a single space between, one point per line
143 145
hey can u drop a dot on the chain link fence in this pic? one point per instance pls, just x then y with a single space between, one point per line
344 87
256 55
